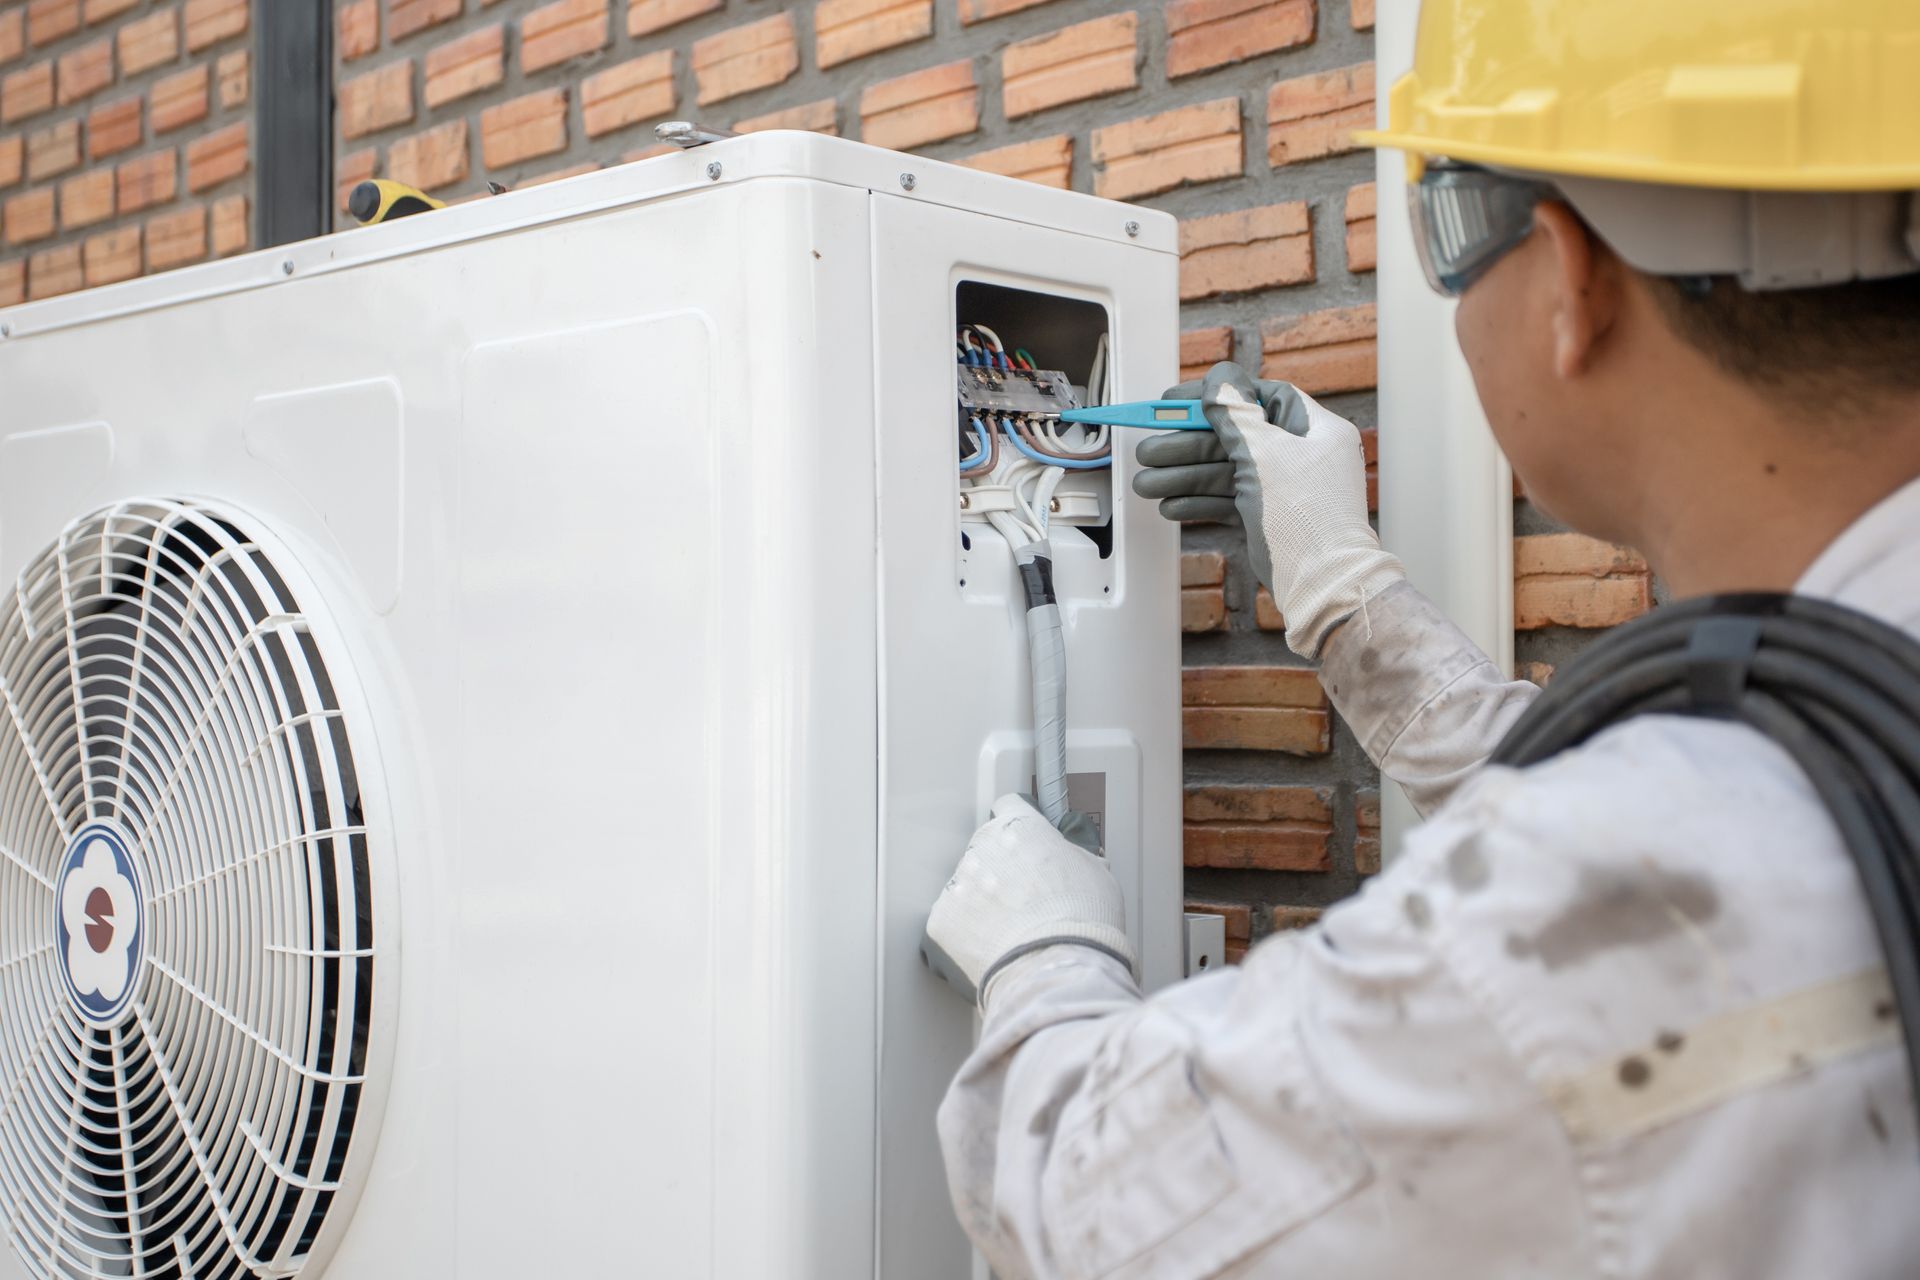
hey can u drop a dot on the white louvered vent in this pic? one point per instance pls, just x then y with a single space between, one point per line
187 958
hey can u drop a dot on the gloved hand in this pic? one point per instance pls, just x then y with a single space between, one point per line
1292 474
1021 886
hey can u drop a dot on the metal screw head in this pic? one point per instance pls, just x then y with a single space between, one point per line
6 331
1133 229
907 181
713 172
286 268
965 502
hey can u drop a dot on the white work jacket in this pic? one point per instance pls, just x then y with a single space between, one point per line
1620 1014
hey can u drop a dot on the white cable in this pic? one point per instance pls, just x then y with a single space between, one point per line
1097 378
992 337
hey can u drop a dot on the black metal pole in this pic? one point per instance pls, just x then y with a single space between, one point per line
293 132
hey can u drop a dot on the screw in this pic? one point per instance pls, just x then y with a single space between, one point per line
1133 229
906 181
713 172
6 331
965 502
1053 505
286 268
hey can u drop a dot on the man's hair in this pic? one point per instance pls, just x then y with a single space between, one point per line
1844 347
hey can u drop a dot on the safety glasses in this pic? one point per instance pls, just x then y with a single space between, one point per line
1466 218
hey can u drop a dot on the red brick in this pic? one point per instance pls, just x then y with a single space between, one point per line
409 17
176 238
1203 609
354 168
921 107
179 99
146 180
430 159
1047 161
1360 228
13 159
1360 14
376 100
113 128
1370 450
745 58
359 29
1257 828
1316 115
1571 580
49 20
847 29
111 256
100 10
85 71
217 157
1203 34
233 73
524 128
1366 833
148 42
622 95
13 35
1246 250
86 199
1323 351
1202 569
813 117
1201 349
26 93
208 22
972 11
230 231
53 151
13 282
1579 601
1266 614
468 64
1283 919
644 17
1255 709
556 175
1088 60
1573 554
649 152
54 271
553 33
1200 143
28 217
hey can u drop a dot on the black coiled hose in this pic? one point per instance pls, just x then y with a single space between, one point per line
1839 691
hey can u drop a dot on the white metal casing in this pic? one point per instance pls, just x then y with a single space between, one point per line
630 501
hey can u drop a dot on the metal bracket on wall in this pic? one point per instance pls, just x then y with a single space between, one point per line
687 133
1206 937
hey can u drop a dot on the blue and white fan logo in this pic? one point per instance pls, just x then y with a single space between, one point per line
100 923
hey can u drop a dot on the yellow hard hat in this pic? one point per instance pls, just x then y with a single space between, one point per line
1759 95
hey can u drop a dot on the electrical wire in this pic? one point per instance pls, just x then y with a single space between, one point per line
1019 440
983 455
1838 690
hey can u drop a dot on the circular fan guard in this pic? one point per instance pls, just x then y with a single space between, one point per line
159 683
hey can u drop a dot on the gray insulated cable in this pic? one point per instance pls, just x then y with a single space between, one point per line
1838 690
1047 655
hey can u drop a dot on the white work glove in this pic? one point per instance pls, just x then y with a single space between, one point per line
1292 473
1021 886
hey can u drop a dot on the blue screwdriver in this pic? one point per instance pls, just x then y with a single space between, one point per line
1153 415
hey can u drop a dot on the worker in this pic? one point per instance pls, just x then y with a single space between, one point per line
1622 1013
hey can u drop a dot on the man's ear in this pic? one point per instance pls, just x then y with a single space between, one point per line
1585 292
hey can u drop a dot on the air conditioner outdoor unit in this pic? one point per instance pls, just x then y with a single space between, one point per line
489 699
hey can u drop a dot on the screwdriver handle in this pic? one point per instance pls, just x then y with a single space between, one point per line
383 200
1153 415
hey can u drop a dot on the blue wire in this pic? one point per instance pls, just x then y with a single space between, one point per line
986 446
1070 464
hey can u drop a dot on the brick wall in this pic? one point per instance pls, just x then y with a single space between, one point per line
124 139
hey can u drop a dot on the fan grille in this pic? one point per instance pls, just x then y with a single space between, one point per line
161 694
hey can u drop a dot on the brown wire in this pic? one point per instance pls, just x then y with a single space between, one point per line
1020 424
993 455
